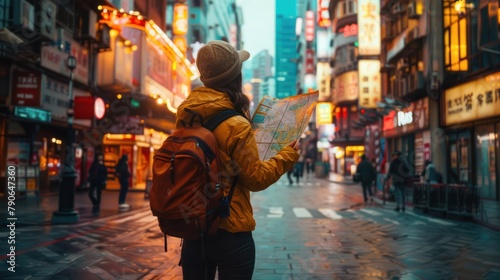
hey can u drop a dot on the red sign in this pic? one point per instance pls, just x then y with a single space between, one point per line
84 107
309 61
349 30
26 88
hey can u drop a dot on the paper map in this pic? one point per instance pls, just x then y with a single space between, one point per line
278 122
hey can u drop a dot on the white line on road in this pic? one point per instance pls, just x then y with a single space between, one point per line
48 253
275 212
437 221
391 221
301 212
330 214
371 212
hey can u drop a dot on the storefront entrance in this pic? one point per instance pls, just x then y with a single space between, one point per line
460 154
487 153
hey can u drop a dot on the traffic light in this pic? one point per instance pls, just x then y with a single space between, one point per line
356 44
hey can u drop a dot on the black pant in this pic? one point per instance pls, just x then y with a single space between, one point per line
95 194
233 254
123 190
367 187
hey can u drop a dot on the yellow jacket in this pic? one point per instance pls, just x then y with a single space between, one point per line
238 155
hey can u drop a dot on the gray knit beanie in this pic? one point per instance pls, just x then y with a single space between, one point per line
219 63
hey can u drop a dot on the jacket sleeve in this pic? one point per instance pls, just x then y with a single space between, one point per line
254 174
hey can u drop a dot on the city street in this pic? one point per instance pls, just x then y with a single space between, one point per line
312 230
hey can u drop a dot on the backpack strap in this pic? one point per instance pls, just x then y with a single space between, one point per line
219 118
212 125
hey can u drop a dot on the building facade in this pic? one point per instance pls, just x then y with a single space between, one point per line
128 79
287 58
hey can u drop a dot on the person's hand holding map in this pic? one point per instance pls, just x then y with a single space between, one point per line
278 122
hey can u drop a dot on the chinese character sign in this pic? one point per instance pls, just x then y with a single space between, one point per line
369 83
474 100
369 27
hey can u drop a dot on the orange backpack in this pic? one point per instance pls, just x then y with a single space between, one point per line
187 195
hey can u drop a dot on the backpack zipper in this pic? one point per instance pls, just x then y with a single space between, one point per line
199 143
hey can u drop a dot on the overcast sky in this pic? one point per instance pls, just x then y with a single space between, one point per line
258 25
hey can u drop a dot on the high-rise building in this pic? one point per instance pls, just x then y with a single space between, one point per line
286 49
261 71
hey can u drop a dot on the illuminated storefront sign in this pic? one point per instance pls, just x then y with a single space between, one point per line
180 21
369 27
323 14
324 113
323 80
309 61
309 26
32 114
411 119
349 30
26 88
369 83
346 87
472 101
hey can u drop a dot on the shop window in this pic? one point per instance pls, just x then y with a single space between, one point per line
460 170
455 37
347 7
486 160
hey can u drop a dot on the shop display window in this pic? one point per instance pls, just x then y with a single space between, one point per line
486 160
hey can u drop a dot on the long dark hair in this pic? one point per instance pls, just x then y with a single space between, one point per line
235 91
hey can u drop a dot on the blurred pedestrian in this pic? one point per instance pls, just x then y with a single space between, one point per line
430 174
298 170
123 173
98 176
399 171
367 175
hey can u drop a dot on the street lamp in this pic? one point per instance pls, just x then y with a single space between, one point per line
66 213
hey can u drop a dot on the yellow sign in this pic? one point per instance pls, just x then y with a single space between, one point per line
370 91
180 21
324 113
346 87
472 101
369 27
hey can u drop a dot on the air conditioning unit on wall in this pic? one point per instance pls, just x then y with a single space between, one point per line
47 22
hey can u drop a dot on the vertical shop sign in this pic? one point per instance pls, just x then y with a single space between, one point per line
369 83
309 61
323 13
26 88
309 26
369 27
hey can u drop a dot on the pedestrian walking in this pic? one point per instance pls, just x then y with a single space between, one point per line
98 176
123 173
231 251
298 170
399 172
367 176
430 174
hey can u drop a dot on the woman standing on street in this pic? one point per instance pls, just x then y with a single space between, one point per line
97 178
231 251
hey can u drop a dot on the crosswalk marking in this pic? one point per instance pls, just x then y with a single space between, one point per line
391 221
370 212
330 213
275 212
301 212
